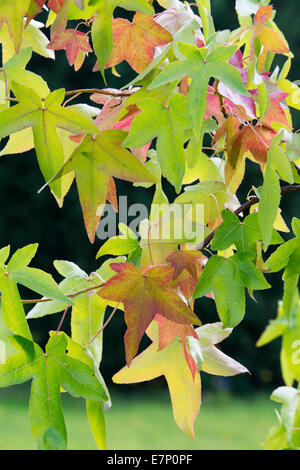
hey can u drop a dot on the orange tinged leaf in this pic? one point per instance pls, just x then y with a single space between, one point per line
263 15
73 41
55 5
145 295
12 13
168 330
135 42
185 392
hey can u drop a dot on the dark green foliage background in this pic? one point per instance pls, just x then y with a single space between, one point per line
26 217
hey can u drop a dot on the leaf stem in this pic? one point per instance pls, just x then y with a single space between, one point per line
62 318
74 294
105 324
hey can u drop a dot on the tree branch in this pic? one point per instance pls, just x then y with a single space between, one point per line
73 294
284 190
97 90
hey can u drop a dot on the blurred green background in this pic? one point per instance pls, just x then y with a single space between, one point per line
26 217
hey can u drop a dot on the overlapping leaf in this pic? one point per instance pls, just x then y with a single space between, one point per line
135 42
227 278
95 160
102 25
170 361
144 296
44 116
49 371
201 66
167 123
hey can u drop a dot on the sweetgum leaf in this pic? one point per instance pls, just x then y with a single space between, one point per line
44 116
143 296
12 13
135 42
167 123
102 25
201 67
49 371
227 278
94 161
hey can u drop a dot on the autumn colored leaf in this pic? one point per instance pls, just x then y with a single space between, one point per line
73 41
94 161
171 363
188 265
167 332
12 14
44 116
201 67
55 5
270 39
144 296
135 42
102 25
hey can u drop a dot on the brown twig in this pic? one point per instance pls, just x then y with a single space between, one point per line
74 294
244 207
97 90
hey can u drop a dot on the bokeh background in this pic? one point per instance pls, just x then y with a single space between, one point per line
26 217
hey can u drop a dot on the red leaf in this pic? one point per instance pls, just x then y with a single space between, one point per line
145 295
55 5
135 42
167 330
72 41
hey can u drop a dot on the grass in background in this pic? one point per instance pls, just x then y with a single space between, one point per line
136 422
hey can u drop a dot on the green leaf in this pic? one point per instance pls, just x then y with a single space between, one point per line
290 413
12 307
15 72
49 371
167 123
94 161
201 67
22 257
44 116
227 277
243 235
96 419
12 13
126 244
269 203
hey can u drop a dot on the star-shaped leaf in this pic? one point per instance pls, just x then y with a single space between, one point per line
286 326
95 160
167 123
135 42
144 296
73 41
12 13
88 308
18 272
227 278
48 372
44 116
102 25
243 235
201 66
188 265
170 361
